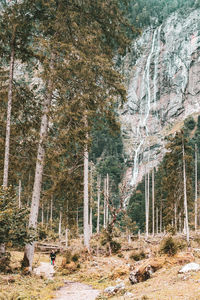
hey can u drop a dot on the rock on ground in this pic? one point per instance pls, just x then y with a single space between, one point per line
114 289
190 267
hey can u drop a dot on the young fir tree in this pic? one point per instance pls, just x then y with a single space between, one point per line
177 180
15 28
83 47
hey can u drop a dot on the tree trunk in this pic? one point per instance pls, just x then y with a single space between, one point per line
185 195
19 194
66 238
98 201
60 226
48 209
107 198
2 248
175 216
179 221
85 213
91 197
77 217
153 201
51 212
147 204
161 217
195 205
104 208
156 220
42 214
29 188
9 108
29 248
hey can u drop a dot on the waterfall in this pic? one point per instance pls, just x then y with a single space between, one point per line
145 102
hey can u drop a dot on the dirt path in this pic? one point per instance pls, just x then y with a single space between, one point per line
76 291
71 290
45 269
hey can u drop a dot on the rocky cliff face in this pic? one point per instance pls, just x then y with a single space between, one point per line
163 81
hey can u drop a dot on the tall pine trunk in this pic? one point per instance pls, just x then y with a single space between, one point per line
19 194
153 201
156 220
161 217
60 226
104 207
33 218
107 198
91 198
51 212
86 232
185 194
98 201
147 203
9 108
195 204
8 120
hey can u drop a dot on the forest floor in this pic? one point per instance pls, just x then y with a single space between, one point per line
96 272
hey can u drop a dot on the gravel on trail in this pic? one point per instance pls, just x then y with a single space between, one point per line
71 290
76 291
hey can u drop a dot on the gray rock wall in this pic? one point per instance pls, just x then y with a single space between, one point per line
163 81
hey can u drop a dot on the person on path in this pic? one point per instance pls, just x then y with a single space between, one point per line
53 257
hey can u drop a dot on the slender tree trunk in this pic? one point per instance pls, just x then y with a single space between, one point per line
19 194
104 208
175 216
51 212
77 220
29 188
33 218
161 217
156 220
8 120
147 203
179 221
66 238
153 202
86 202
195 205
91 197
42 214
9 108
107 198
98 201
48 208
185 195
60 226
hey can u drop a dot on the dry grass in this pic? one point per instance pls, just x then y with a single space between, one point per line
101 272
16 286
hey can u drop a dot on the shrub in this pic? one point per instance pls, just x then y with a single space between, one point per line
42 232
107 239
120 255
5 262
171 229
115 246
75 257
137 255
189 123
181 244
68 256
169 246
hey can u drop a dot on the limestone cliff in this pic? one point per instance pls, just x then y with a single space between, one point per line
163 81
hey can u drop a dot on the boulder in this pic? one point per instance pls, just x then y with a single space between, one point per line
111 290
190 267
